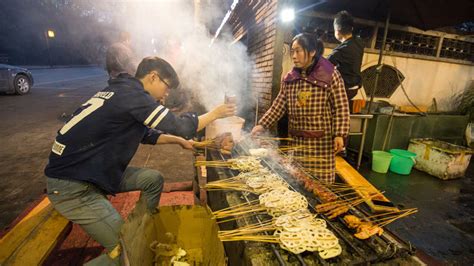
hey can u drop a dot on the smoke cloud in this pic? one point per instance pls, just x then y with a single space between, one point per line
171 30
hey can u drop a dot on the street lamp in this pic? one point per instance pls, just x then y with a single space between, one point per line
49 34
287 14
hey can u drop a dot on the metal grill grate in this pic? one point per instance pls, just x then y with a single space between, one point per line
389 80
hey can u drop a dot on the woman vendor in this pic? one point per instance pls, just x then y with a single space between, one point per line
313 94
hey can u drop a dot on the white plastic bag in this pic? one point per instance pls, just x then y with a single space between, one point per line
470 135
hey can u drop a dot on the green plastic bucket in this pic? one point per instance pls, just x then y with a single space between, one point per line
381 161
402 161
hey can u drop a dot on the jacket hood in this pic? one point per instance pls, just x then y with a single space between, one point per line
125 79
320 75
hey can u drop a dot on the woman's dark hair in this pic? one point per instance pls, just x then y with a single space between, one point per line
319 47
164 69
309 43
344 22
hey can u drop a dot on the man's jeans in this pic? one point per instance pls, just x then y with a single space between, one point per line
84 204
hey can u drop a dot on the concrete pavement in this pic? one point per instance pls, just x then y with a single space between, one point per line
28 127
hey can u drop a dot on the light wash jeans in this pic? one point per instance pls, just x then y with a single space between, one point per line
86 205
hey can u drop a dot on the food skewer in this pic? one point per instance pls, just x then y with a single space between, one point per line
272 138
366 229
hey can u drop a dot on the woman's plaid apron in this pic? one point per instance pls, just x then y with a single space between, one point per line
313 106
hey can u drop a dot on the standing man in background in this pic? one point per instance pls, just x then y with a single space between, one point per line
347 56
120 57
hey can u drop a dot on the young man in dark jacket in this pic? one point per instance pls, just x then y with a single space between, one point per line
91 153
347 57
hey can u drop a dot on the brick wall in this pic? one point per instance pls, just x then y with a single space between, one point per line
255 24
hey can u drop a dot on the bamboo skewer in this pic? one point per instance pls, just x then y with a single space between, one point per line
386 220
296 147
268 239
234 179
236 188
350 202
272 138
323 208
235 218
342 185
395 218
268 226
363 199
207 163
382 214
240 205
342 189
347 194
238 211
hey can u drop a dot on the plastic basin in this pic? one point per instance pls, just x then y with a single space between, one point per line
402 161
381 161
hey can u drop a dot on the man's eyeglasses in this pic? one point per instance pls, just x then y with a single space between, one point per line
162 80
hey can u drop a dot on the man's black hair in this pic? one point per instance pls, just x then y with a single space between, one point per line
344 22
124 36
164 69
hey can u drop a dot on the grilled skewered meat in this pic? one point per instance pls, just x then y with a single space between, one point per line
338 211
352 221
367 229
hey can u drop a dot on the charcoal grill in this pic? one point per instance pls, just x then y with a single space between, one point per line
387 247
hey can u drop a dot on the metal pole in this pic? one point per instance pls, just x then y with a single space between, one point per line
389 130
49 51
362 142
379 64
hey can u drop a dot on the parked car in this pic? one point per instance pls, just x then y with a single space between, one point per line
15 79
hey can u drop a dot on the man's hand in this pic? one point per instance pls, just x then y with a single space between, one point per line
171 139
224 110
221 111
257 130
338 144
187 144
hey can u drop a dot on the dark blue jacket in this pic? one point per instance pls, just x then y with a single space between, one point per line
98 142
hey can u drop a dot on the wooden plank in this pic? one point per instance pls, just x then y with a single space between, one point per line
31 240
13 238
41 241
352 177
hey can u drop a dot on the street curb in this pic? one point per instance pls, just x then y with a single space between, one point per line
56 67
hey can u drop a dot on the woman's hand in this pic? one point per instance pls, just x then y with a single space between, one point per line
257 130
338 144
